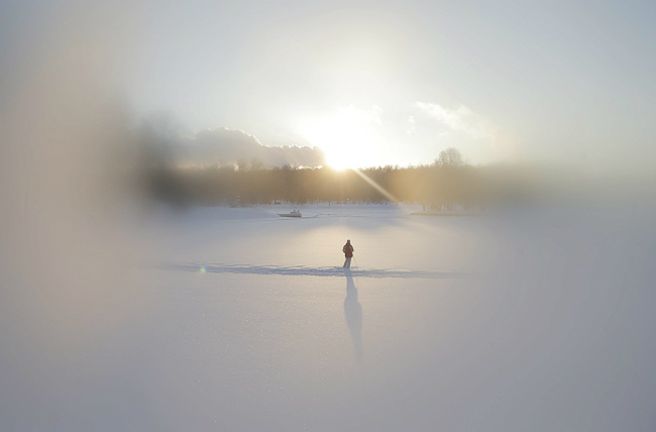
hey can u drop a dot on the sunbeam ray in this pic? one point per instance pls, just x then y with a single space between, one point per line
375 185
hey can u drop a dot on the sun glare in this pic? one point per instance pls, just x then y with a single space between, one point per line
347 137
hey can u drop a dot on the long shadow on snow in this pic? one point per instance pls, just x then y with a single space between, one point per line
353 314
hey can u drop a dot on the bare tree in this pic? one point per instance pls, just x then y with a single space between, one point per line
450 157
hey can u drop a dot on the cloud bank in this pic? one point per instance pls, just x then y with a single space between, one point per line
224 147
461 119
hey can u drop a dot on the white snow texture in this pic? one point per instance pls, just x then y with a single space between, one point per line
230 319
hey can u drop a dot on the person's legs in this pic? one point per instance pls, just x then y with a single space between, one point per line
347 262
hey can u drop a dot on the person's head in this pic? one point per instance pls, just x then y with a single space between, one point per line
348 241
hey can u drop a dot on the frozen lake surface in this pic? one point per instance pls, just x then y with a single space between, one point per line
237 319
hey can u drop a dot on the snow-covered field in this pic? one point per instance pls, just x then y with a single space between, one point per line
234 319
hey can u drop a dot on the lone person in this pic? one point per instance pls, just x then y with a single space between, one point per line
348 253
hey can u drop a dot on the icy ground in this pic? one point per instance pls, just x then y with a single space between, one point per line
234 319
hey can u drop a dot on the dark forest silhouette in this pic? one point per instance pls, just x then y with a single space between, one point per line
447 183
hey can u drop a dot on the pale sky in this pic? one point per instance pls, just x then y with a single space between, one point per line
384 82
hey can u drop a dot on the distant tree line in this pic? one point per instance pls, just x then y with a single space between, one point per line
447 183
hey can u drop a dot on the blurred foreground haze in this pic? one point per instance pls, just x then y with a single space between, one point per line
500 202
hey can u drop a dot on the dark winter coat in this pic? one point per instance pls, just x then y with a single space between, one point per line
348 250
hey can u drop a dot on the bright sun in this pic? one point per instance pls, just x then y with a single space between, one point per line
347 137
